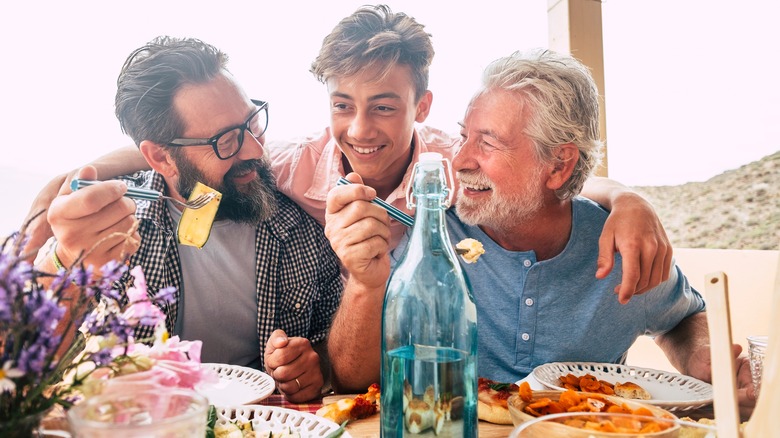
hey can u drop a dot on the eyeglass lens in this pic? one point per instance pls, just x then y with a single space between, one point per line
231 141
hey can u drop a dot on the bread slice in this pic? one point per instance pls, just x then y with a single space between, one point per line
631 390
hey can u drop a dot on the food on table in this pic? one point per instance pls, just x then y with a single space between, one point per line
631 390
360 406
588 414
474 247
589 383
195 224
246 430
492 400
688 432
573 401
619 425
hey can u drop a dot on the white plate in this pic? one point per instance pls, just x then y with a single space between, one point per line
237 385
278 419
671 391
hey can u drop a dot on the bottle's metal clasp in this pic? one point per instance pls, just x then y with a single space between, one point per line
448 191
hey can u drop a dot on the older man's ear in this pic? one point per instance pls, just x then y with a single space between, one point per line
566 158
158 158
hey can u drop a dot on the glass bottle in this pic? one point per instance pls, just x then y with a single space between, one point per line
429 325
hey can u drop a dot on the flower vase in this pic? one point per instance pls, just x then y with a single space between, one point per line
24 427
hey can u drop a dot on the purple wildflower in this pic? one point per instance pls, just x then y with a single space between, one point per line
81 276
113 271
44 312
32 359
102 357
6 313
165 295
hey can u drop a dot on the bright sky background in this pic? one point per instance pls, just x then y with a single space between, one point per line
690 91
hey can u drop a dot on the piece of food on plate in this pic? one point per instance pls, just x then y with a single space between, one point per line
244 429
688 432
492 399
195 224
528 404
589 383
356 408
631 390
588 412
474 248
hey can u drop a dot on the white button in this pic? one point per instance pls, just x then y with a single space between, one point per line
529 301
527 263
526 336
297 305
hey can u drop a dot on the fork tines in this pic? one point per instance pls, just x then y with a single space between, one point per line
394 213
200 201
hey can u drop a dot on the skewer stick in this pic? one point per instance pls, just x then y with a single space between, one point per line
724 381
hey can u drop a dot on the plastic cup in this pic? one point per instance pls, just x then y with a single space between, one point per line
150 413
757 353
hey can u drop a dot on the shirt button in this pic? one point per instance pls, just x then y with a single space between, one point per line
297 305
527 263
526 336
529 301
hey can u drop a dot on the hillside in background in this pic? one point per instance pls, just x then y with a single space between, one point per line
738 209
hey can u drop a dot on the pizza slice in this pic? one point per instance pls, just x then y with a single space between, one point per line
492 400
360 406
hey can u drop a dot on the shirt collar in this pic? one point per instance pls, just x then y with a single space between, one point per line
329 169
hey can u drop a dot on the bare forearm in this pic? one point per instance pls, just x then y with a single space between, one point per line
604 191
355 339
685 342
123 161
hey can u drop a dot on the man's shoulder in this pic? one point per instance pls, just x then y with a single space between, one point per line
291 217
314 143
585 209
436 140
148 179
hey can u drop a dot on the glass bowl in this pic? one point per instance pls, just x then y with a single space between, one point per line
606 425
142 412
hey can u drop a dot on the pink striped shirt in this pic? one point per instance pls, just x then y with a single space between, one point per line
306 169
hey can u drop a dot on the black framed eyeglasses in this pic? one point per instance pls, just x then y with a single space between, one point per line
228 142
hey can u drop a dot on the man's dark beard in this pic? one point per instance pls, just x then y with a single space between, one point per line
253 205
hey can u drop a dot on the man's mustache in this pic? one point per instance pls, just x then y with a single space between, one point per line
243 167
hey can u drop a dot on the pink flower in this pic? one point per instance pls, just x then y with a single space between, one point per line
140 308
176 363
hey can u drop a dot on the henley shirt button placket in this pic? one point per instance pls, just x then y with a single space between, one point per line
529 302
526 336
527 263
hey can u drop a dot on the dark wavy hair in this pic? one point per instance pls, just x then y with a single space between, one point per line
151 77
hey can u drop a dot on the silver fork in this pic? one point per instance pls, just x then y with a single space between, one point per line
395 213
150 195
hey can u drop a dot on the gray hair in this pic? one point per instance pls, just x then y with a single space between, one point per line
563 104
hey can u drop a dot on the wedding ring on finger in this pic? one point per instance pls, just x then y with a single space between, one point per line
299 384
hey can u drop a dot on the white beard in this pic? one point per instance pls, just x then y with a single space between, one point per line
500 211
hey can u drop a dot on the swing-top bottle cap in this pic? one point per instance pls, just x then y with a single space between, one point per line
430 157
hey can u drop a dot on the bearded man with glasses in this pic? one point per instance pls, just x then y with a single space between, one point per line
193 123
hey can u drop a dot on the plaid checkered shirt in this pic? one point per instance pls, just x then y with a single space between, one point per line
294 264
